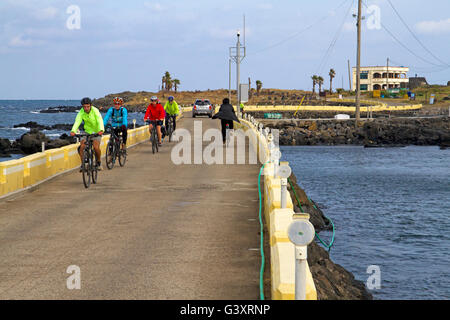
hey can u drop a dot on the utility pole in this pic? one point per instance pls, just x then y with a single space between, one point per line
229 79
238 72
238 57
358 66
387 76
349 77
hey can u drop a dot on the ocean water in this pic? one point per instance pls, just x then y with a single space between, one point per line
391 208
15 112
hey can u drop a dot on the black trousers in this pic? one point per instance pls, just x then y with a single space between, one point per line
124 133
174 117
224 128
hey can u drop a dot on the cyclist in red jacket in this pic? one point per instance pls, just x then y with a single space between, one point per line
155 114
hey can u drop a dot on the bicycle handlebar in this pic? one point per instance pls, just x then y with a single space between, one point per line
84 134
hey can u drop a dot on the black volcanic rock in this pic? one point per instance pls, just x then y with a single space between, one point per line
395 132
61 109
34 125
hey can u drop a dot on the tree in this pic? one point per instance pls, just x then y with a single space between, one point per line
320 83
258 86
332 74
314 79
167 81
176 84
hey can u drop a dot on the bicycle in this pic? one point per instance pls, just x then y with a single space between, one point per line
113 150
170 127
153 136
89 165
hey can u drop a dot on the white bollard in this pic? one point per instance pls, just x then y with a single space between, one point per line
283 193
43 146
134 123
284 172
301 233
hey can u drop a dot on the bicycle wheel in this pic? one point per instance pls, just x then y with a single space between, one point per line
170 129
110 155
122 157
86 171
94 171
154 146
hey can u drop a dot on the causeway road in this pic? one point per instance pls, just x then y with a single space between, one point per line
148 230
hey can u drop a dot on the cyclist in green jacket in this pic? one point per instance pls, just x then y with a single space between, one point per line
172 110
93 123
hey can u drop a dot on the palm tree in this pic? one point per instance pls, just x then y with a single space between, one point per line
314 79
169 84
176 84
258 86
332 74
320 83
167 81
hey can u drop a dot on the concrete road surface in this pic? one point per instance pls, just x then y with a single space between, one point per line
149 230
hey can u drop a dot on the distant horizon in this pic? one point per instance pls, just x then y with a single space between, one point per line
179 91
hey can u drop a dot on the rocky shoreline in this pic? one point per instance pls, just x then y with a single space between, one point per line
371 133
332 281
31 142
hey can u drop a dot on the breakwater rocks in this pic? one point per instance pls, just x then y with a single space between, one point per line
371 133
332 281
31 142
60 109
35 125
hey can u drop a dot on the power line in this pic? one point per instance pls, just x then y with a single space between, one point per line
333 42
422 69
403 45
415 37
297 33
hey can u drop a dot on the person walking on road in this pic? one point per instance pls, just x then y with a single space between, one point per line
227 115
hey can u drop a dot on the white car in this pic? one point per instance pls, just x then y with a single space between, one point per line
202 107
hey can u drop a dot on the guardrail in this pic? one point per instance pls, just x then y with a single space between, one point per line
278 219
27 172
332 108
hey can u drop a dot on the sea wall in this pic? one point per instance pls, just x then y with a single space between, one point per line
394 131
327 280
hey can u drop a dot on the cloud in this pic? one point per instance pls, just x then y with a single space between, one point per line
19 42
125 44
156 7
434 27
46 13
265 6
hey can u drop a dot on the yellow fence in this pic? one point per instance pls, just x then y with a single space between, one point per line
282 251
17 175
374 108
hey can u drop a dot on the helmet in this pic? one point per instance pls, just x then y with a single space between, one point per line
170 98
118 100
154 98
86 101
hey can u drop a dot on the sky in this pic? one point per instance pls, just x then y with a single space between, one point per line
128 45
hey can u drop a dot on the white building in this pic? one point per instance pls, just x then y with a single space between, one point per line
376 78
